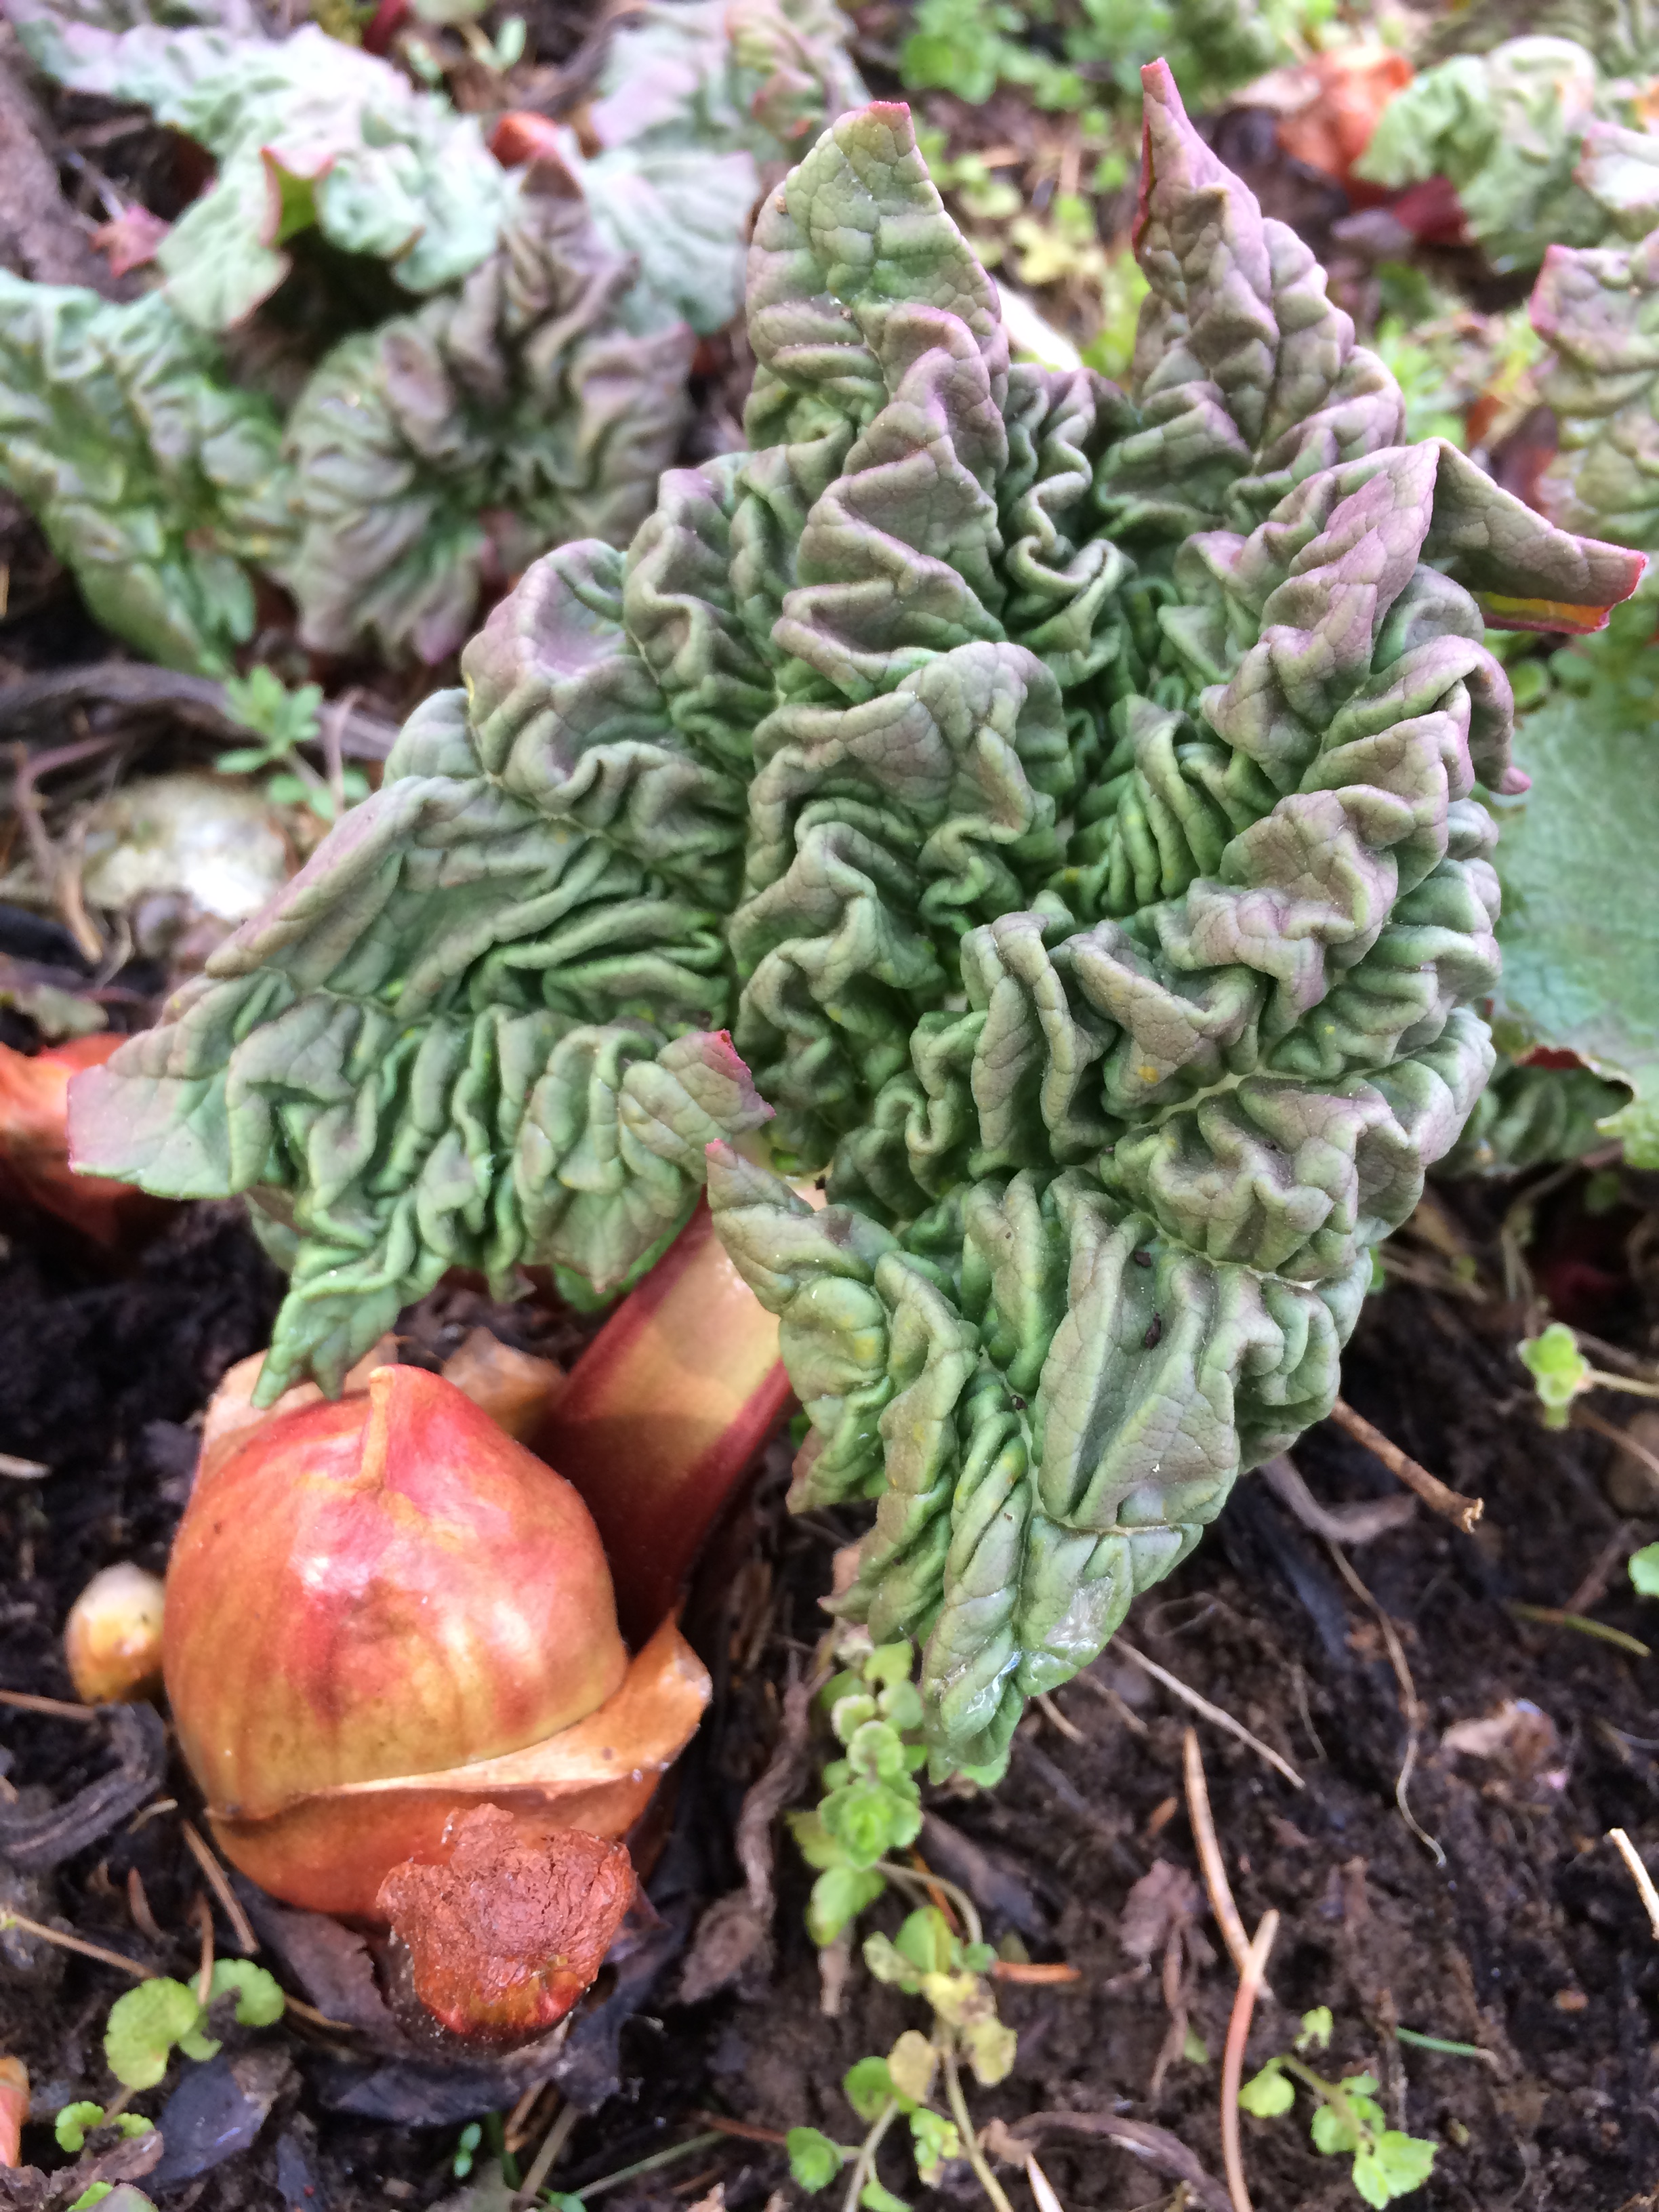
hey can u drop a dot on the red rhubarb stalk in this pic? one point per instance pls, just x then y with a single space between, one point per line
664 1414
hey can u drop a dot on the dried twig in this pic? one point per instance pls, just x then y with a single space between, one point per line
1232 2062
1155 2146
58 1708
1584 1417
564 2123
745 2130
138 1908
1644 1881
9 1919
1341 1524
517 2131
1556 1616
1054 1716
1199 1705
734 1937
1464 1511
1409 1696
49 863
1209 1853
1594 1587
202 1913
219 1881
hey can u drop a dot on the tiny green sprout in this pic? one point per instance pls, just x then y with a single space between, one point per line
262 704
94 2193
73 2123
259 1999
814 2160
1603 1191
143 2026
870 1811
466 2149
1559 1371
1347 2121
1644 1570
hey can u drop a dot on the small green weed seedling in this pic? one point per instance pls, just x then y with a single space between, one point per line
1561 1373
871 1809
142 2028
1644 1570
75 2122
146 2023
1347 2120
260 703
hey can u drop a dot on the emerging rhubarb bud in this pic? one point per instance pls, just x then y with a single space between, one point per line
112 1637
504 1939
383 1611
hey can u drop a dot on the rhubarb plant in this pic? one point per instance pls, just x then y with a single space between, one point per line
1546 142
1579 965
153 476
535 397
308 133
1045 813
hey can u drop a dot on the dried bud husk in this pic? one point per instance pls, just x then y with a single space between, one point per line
380 1611
112 1637
504 1939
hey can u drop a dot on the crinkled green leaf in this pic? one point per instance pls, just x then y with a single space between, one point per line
459 1035
1581 959
1599 312
1526 1115
528 408
1066 797
761 77
1507 127
692 98
1624 38
155 480
389 170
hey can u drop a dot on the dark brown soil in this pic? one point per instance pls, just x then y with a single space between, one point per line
1529 1942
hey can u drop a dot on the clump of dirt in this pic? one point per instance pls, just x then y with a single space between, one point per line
1507 1924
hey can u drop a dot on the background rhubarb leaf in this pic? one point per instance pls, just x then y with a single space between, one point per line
388 170
157 481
